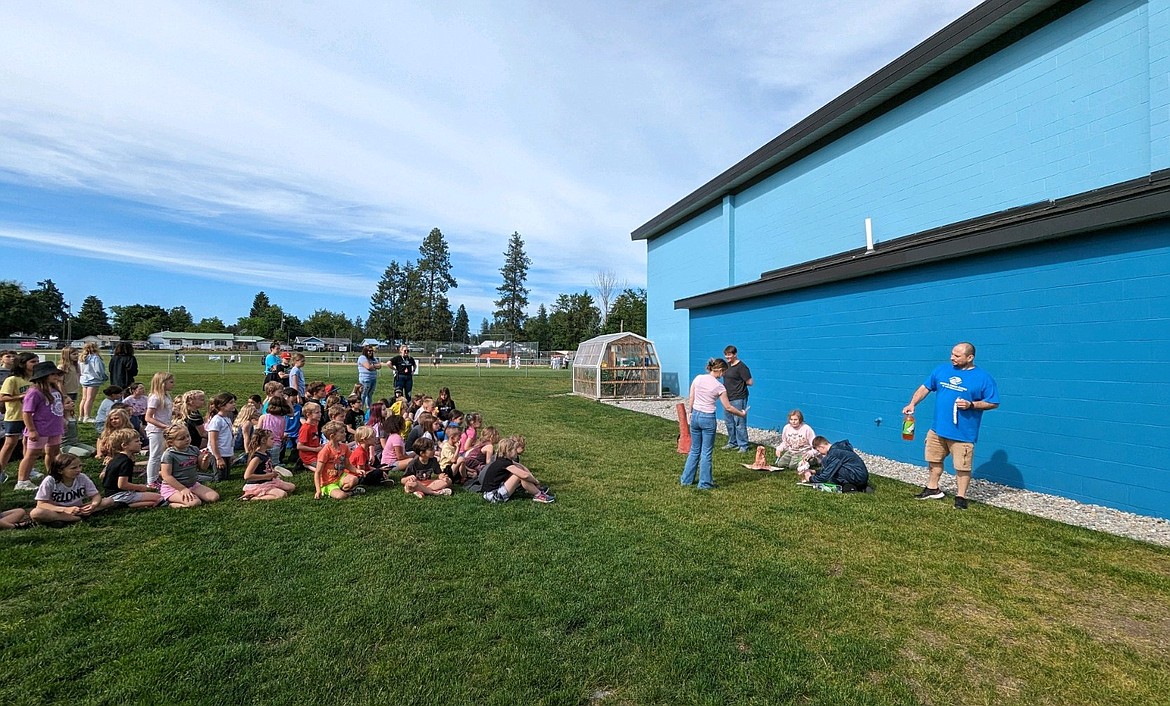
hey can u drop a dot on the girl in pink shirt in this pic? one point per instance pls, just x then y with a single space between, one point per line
795 443
705 391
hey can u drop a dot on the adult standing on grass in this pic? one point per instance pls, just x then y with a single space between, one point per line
737 379
705 390
123 365
368 367
964 393
404 368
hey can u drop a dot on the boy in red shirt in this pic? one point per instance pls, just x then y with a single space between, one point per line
308 440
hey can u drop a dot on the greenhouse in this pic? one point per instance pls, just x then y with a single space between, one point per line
617 365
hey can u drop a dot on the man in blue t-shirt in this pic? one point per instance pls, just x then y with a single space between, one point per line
962 394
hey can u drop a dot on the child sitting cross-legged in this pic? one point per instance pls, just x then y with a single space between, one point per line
422 476
261 481
62 494
180 471
117 477
335 476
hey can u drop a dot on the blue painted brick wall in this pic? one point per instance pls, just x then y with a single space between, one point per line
1065 110
687 261
1077 334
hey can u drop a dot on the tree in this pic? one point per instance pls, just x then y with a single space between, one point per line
180 319
574 319
49 306
435 279
329 324
461 329
17 309
604 282
538 329
513 294
485 328
91 319
260 305
210 325
127 319
628 313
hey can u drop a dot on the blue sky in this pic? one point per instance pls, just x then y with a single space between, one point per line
194 153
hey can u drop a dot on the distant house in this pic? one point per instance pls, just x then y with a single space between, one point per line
337 345
308 343
103 342
176 340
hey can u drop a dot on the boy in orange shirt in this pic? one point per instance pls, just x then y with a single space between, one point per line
335 476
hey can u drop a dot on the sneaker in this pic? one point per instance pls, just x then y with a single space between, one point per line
729 447
35 475
543 498
25 485
960 502
3 477
155 485
931 494
743 450
357 489
24 524
444 491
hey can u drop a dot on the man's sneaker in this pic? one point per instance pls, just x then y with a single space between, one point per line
25 485
543 498
729 447
931 494
743 450
35 475
960 502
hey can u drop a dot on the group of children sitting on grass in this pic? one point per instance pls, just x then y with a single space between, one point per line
423 444
837 466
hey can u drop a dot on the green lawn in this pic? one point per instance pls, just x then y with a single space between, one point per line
627 590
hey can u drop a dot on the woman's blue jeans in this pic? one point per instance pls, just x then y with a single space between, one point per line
702 447
368 387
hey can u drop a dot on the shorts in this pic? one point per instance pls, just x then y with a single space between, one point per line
499 495
126 497
328 489
167 491
14 428
938 448
43 441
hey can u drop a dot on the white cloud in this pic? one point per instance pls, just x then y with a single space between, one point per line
190 258
362 125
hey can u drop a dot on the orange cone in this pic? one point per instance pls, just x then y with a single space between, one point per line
684 429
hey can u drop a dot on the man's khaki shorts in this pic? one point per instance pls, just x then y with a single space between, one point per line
938 448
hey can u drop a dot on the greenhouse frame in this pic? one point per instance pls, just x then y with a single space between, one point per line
617 366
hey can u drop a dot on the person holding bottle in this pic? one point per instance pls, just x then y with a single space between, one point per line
963 393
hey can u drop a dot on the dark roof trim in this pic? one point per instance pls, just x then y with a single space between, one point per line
1127 203
981 32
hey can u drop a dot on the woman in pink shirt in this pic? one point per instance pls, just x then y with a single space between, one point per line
705 391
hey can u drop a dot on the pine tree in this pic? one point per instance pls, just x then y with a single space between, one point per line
513 299
91 319
461 329
49 305
385 316
260 305
435 279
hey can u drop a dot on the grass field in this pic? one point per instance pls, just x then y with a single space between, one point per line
627 590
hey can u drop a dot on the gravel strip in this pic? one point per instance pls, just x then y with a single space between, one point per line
1154 530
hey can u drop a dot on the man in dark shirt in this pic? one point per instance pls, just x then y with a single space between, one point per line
737 379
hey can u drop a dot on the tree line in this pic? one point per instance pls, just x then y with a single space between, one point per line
410 302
